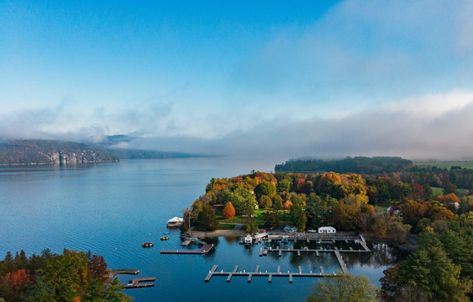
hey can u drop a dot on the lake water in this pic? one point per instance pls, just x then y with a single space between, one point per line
111 209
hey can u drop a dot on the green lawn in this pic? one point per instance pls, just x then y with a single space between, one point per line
259 217
437 191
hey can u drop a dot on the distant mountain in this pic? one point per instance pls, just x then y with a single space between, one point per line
28 152
51 152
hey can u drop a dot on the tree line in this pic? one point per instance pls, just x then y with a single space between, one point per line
49 277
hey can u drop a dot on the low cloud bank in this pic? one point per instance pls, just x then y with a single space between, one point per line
436 126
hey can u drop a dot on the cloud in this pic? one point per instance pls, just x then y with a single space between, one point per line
432 126
364 52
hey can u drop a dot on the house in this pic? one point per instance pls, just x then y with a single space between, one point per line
327 229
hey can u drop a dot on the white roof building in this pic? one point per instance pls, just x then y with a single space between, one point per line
327 229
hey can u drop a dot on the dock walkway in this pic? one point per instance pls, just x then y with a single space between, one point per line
270 275
203 250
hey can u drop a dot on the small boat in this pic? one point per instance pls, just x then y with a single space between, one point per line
164 238
248 239
175 222
147 244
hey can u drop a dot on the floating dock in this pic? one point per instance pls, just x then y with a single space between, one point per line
134 283
141 282
269 275
343 266
322 237
125 271
202 251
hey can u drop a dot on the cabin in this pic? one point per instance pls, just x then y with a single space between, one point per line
327 229
175 222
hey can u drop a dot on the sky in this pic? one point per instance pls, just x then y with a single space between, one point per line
269 78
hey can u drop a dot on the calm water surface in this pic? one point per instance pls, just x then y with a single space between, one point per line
111 209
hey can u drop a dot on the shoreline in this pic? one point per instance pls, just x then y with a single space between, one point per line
217 233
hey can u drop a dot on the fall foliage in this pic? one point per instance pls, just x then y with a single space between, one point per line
229 210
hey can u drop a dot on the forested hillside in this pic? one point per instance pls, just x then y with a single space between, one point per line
51 152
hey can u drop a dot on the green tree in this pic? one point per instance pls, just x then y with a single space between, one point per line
314 211
284 185
265 188
297 213
265 202
277 202
429 271
343 289
206 220
271 219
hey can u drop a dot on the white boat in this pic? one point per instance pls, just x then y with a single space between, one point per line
175 222
261 235
248 239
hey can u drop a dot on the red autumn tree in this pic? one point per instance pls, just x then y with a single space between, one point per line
229 210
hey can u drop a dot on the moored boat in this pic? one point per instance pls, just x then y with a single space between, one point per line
147 244
175 222
248 239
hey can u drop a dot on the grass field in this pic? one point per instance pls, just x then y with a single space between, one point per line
259 217
446 164
437 191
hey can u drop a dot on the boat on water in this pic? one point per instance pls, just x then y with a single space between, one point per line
147 244
164 238
175 222
248 240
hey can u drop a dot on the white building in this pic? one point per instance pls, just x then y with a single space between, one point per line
327 229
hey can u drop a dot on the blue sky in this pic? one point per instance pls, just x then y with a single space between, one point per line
200 75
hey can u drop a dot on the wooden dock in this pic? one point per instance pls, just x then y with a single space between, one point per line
140 282
203 250
342 264
279 251
304 236
125 271
269 275
134 283
186 242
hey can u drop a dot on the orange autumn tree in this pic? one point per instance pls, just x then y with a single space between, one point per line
229 210
287 205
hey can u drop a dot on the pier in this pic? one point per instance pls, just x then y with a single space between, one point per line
279 251
342 264
133 283
257 273
202 251
140 282
125 271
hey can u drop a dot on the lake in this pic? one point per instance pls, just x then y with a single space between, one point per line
111 209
